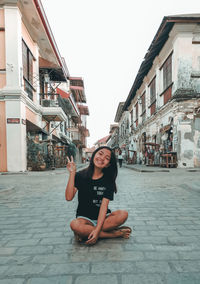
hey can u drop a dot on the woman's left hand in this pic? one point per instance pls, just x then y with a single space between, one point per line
93 237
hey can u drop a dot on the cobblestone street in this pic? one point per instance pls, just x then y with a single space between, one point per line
38 247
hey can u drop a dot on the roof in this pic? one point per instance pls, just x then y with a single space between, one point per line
113 127
119 112
103 140
154 49
89 150
43 17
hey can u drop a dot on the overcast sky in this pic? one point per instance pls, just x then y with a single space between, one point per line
104 42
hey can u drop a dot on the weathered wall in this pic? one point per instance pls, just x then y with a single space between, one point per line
197 141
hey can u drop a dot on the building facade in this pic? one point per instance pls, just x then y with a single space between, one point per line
164 101
38 107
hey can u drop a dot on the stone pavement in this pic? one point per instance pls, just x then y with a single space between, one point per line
38 247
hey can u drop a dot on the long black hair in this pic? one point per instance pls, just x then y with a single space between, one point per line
109 172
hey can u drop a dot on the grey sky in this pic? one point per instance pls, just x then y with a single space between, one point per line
104 42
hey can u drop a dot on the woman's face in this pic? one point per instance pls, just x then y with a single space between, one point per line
102 158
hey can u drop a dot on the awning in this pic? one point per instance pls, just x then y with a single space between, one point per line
83 109
54 71
51 117
76 88
65 139
78 93
31 127
55 138
63 94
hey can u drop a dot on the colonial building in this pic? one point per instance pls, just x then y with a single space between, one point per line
113 141
79 131
102 142
122 118
164 101
38 105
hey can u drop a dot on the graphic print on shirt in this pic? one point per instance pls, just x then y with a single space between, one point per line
98 194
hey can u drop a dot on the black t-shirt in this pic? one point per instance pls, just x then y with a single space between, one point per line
90 194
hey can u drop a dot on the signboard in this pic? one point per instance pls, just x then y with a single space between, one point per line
13 120
165 128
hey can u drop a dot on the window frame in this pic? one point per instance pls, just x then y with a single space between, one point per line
167 72
152 90
27 62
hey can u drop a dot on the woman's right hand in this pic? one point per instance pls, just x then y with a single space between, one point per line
71 166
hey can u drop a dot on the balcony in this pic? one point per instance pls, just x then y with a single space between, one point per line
75 135
78 135
51 111
84 131
64 138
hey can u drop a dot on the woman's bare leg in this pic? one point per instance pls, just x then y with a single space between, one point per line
82 228
114 220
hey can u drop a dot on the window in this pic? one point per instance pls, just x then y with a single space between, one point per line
27 60
152 87
136 115
136 111
143 99
131 117
27 63
61 127
167 72
143 103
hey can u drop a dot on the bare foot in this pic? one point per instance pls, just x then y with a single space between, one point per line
124 232
78 238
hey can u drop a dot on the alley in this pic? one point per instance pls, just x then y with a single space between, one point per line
38 247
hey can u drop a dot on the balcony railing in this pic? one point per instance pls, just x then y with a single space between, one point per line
49 103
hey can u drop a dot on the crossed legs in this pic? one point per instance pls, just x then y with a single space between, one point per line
82 228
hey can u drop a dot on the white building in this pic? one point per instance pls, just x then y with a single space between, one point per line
36 101
164 101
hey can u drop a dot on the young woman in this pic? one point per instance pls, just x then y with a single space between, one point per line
96 186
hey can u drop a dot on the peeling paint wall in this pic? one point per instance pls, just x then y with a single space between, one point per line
186 134
197 142
184 73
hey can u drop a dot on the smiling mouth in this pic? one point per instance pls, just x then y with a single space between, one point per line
99 162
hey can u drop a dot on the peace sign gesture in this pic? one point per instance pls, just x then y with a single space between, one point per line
71 166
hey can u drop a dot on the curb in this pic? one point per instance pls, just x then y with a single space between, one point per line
145 171
13 173
79 167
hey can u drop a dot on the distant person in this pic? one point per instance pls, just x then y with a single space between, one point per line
96 186
120 158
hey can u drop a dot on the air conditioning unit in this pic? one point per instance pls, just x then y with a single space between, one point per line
46 103
49 103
